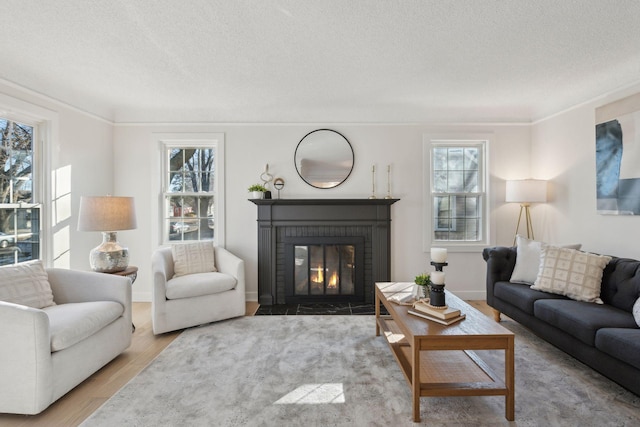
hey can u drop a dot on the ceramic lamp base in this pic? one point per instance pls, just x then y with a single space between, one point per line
109 256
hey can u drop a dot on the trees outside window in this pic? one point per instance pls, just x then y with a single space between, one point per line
19 207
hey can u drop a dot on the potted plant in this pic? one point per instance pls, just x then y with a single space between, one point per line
424 282
257 191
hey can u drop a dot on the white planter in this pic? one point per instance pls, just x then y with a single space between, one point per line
257 194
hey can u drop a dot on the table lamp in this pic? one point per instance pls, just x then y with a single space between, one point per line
525 192
107 214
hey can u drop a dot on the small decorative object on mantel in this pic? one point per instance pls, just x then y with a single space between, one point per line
388 196
278 184
266 178
373 182
257 191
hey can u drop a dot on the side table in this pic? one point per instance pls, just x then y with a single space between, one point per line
131 273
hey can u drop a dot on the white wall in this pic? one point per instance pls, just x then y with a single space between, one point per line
80 155
250 147
563 151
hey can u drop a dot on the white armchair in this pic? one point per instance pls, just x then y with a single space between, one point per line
196 299
46 352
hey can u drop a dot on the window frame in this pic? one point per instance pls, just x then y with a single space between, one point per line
184 141
38 172
483 142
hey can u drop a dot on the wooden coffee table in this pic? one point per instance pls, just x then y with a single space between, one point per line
438 360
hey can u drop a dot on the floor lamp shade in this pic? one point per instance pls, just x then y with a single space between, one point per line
107 214
525 192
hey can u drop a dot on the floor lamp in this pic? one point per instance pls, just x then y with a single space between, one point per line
525 192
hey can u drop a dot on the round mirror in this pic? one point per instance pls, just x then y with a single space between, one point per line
324 158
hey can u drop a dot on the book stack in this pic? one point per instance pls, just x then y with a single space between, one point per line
445 316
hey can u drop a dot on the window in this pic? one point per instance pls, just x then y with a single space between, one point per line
191 195
457 202
19 207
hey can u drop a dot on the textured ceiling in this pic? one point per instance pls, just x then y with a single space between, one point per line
321 61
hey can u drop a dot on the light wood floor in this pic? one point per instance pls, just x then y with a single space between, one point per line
82 401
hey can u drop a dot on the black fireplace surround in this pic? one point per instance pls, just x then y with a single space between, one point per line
285 222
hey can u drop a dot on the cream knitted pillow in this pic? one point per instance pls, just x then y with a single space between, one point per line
191 258
26 284
569 272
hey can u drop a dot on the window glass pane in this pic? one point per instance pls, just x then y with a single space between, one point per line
470 182
471 206
471 158
455 159
456 183
439 158
440 181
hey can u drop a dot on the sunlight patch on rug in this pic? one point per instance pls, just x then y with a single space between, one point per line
314 394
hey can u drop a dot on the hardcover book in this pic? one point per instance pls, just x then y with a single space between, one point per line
445 322
447 313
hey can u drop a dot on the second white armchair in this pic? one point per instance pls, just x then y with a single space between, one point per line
182 301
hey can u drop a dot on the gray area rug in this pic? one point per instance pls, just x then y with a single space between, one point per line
334 371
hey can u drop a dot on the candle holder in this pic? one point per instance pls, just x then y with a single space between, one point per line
436 291
438 265
436 296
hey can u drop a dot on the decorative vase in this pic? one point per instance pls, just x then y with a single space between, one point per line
423 291
257 194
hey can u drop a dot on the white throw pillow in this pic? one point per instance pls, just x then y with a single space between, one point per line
569 272
528 260
26 284
191 258
636 311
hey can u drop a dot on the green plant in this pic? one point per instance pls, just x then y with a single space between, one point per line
423 279
257 187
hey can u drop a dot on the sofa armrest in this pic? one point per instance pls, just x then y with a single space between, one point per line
71 286
228 263
501 261
25 356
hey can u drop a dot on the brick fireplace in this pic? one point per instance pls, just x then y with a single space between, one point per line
322 250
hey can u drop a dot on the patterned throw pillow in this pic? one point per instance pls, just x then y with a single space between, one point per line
569 272
191 258
528 260
26 284
636 311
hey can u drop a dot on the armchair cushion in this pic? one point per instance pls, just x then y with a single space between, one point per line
191 258
26 284
199 284
71 323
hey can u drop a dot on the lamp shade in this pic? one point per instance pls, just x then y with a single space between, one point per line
106 214
526 191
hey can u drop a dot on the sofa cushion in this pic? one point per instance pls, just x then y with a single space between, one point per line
621 283
521 295
581 319
71 323
26 284
191 258
570 272
528 260
195 285
621 343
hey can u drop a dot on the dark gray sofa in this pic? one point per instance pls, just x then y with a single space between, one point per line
603 336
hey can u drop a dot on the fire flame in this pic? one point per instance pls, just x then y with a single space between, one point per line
318 277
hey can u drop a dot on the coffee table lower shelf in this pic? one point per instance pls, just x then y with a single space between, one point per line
442 372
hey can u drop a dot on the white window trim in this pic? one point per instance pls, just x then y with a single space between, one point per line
46 122
204 140
428 141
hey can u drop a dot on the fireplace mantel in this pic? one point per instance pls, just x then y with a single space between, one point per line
277 217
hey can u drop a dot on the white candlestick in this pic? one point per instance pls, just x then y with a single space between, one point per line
437 278
439 254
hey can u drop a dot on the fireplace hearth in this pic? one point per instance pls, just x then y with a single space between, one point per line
322 250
